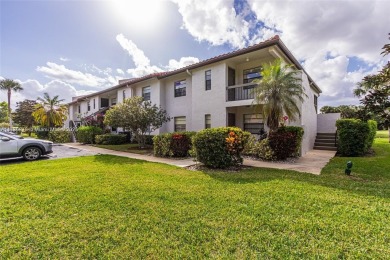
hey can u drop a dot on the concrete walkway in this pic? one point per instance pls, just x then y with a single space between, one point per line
311 162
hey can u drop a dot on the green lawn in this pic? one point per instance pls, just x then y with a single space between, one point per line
113 207
130 148
382 134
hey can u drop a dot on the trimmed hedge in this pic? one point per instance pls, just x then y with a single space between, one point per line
173 144
60 136
42 134
220 147
111 139
355 137
283 144
286 141
86 134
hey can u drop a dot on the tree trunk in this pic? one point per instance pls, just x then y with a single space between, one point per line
9 108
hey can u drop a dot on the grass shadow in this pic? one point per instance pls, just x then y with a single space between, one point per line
114 159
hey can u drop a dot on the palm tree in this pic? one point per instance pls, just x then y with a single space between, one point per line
9 85
50 112
278 92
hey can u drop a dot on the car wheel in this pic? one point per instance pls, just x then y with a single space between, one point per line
31 153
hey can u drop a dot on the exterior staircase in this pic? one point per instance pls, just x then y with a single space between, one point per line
326 141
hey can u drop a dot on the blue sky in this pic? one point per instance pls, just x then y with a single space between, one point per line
70 48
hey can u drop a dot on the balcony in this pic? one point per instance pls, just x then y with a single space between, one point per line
240 92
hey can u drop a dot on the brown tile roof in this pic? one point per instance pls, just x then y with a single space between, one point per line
275 40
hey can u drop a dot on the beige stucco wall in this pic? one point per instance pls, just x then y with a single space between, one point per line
208 101
176 106
326 123
308 119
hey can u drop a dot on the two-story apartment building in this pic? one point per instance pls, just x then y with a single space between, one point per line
211 93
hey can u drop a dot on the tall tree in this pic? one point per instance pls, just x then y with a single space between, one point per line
49 111
10 85
278 92
138 116
3 112
375 91
347 111
23 114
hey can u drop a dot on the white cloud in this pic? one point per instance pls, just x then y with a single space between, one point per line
119 71
315 30
142 63
64 59
352 28
214 21
183 62
32 89
60 72
139 58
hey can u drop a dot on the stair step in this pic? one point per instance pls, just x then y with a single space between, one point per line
327 140
325 148
326 134
324 144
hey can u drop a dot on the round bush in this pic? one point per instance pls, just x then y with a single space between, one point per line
86 134
173 144
220 147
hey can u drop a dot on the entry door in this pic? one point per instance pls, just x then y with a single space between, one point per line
231 119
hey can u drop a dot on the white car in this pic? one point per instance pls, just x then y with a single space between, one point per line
30 149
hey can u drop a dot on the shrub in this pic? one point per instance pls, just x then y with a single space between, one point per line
162 145
60 136
149 139
220 147
86 134
4 125
286 141
111 139
180 144
42 133
264 151
173 144
250 146
355 137
126 133
298 133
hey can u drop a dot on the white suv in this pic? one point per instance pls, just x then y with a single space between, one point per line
12 146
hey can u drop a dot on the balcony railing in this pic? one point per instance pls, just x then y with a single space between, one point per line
240 92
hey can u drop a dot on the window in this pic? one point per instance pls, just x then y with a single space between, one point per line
89 105
208 79
94 103
207 121
180 88
180 124
146 93
253 123
104 102
124 94
252 74
79 109
316 103
113 101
